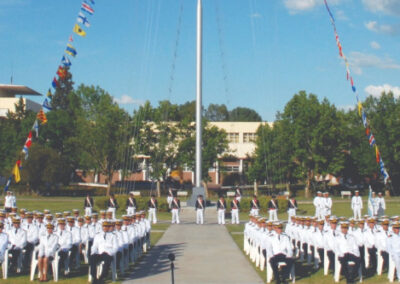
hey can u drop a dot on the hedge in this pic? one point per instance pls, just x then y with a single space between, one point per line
245 204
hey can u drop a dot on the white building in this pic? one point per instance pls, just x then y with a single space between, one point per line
8 98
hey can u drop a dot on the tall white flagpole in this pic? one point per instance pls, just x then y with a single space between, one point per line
199 95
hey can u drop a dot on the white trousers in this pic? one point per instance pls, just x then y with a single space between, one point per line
273 216
169 201
112 209
235 216
199 216
221 216
291 212
175 216
88 211
396 260
357 213
254 212
130 211
152 215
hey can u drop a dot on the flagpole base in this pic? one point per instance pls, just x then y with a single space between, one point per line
196 191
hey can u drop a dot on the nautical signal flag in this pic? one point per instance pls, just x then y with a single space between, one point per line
78 30
70 50
8 184
47 105
87 8
61 72
378 154
35 128
65 61
83 19
54 83
49 95
371 140
42 117
15 172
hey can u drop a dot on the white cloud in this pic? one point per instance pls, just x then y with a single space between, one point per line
375 45
340 15
391 7
382 29
296 6
359 60
127 100
377 91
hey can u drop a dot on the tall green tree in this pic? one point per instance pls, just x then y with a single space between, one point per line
102 131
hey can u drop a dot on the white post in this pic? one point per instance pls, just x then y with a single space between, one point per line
198 95
217 172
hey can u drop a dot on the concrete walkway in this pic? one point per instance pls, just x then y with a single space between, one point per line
204 254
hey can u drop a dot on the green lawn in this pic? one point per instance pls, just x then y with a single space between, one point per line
60 204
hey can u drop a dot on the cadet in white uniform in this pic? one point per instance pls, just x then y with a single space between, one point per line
65 243
3 242
8 202
235 207
318 205
131 205
280 249
326 204
380 204
47 250
153 205
347 250
200 206
255 206
17 239
356 205
221 207
393 247
104 247
32 237
175 208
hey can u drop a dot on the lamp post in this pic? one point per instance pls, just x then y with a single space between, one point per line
171 257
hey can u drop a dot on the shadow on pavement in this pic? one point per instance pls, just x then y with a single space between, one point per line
156 261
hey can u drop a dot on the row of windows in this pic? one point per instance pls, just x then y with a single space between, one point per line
247 137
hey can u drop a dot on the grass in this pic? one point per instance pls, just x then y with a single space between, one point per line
305 273
60 204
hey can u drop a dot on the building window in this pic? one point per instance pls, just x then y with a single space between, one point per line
249 137
230 169
233 137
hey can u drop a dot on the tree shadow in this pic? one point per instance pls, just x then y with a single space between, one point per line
156 261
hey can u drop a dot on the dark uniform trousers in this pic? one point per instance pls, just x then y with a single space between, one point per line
385 256
95 259
372 258
362 257
321 255
274 261
331 256
350 274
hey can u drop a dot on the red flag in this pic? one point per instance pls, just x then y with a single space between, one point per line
61 72
28 142
378 154
367 131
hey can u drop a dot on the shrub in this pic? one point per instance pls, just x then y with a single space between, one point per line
245 204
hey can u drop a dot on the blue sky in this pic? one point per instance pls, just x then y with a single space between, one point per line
257 53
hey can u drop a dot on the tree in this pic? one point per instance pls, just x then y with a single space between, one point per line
45 168
102 132
65 85
244 114
215 143
216 112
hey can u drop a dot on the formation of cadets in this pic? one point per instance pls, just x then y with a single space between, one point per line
29 238
355 248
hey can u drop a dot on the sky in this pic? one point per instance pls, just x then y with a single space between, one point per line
256 53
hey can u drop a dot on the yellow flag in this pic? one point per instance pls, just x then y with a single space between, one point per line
359 108
78 30
16 174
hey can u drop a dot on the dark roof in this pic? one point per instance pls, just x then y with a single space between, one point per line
10 91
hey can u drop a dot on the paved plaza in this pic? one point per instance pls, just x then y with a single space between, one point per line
204 254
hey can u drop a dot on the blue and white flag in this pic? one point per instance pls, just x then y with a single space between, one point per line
370 203
36 128
65 61
83 19
47 105
8 184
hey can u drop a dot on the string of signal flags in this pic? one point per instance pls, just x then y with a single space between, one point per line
361 112
86 10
